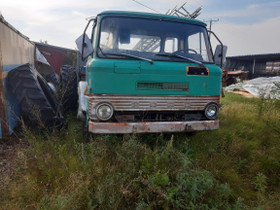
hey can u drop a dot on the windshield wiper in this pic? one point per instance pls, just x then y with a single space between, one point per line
181 56
131 56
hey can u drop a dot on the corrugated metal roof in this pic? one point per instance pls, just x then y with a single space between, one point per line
55 47
269 56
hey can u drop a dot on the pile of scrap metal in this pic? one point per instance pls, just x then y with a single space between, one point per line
232 77
28 83
267 87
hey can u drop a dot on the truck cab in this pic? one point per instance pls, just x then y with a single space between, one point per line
148 73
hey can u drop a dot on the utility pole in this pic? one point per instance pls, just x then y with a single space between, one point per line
210 24
211 21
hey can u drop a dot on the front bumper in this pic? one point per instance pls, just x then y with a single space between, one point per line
151 127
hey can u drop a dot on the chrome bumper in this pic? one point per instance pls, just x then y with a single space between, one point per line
151 127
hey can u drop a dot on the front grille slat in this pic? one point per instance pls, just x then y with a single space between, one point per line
172 86
156 103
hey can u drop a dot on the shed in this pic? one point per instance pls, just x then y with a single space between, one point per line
257 65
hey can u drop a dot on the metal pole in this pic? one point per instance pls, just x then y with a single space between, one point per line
211 22
254 64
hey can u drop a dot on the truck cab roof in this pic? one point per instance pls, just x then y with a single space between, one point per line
151 16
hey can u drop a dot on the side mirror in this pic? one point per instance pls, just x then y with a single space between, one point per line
220 55
84 46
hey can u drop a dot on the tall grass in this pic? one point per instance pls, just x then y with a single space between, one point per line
59 171
235 167
245 151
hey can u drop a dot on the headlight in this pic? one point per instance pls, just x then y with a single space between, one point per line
104 111
211 111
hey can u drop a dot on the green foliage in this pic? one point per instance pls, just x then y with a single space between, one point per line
276 90
246 144
60 171
260 183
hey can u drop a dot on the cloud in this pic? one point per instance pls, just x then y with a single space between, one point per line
252 13
60 22
250 39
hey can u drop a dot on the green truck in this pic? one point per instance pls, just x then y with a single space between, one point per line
149 73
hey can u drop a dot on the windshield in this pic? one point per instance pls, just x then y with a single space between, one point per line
152 39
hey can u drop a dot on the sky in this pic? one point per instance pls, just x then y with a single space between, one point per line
245 26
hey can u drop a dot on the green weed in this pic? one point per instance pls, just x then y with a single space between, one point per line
245 145
60 171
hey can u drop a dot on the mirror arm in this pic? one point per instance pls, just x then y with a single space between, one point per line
222 51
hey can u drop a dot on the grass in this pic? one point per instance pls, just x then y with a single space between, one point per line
235 167
245 151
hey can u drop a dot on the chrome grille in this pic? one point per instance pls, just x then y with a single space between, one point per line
153 103
162 86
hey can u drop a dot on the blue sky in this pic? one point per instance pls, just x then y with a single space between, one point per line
246 26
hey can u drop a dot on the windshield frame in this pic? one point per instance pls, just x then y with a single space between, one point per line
155 56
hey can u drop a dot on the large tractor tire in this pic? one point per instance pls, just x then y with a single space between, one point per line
51 78
38 104
68 87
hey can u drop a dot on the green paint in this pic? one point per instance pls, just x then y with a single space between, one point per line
121 76
150 16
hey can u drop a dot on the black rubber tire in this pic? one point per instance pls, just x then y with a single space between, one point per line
68 88
38 105
51 78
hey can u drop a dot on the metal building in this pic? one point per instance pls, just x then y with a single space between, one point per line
257 65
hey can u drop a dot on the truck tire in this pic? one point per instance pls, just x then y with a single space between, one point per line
68 88
51 78
37 103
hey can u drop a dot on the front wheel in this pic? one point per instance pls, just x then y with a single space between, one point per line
68 87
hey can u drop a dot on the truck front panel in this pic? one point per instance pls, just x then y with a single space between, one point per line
160 78
151 73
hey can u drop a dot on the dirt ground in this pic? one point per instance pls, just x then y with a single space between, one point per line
244 93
